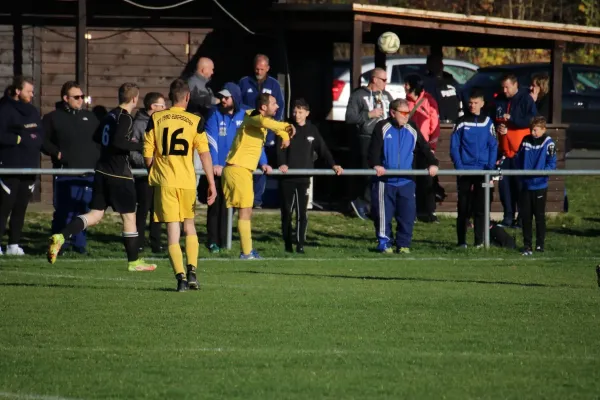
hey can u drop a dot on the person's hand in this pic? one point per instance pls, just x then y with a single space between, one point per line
133 140
59 155
267 169
291 130
376 113
380 171
433 170
502 129
338 169
283 168
18 139
218 170
285 144
507 116
212 194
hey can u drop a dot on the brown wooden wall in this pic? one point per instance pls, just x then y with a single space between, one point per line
151 58
556 184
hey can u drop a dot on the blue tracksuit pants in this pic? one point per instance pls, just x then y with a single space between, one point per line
72 196
389 202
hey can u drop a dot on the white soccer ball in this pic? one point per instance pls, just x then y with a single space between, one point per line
388 42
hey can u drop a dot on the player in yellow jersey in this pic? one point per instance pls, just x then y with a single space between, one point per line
171 137
242 160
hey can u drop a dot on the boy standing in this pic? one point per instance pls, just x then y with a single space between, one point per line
294 189
537 152
473 145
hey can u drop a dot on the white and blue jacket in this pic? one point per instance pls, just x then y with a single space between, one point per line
473 144
251 89
536 153
393 147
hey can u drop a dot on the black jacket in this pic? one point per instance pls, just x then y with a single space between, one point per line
299 154
445 91
70 133
19 119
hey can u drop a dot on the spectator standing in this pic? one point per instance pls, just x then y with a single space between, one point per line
68 140
473 146
21 138
294 189
424 113
202 98
394 144
366 107
442 86
537 152
252 86
539 89
221 128
144 193
513 118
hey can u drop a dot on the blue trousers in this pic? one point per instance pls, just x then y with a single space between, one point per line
72 196
389 202
509 188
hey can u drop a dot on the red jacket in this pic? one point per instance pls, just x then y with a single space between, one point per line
427 118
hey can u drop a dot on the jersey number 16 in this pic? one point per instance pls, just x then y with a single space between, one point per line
184 145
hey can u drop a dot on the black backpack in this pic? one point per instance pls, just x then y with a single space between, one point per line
499 237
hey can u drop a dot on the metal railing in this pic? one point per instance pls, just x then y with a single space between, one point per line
487 174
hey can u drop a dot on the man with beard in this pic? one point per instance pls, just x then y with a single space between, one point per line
221 128
21 137
252 86
69 142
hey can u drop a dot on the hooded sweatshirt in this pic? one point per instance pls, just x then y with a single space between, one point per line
221 127
362 101
140 122
70 132
18 119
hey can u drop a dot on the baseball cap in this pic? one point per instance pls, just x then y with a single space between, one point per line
224 93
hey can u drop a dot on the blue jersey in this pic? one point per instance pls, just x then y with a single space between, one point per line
536 153
394 147
473 144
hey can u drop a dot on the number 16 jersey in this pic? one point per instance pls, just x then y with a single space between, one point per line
171 137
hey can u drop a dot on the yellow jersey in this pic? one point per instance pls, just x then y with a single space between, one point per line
250 138
171 137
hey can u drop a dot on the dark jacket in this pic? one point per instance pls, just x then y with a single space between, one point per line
299 154
70 133
201 96
140 122
543 107
397 147
20 119
445 92
521 108
361 102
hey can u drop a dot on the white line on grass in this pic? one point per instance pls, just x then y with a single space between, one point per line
385 258
31 396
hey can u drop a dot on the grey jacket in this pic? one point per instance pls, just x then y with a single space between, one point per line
361 102
136 159
202 97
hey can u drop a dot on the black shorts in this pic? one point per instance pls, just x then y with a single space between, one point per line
109 191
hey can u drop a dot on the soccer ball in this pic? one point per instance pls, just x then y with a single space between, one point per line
388 42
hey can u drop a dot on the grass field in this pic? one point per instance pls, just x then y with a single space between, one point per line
341 322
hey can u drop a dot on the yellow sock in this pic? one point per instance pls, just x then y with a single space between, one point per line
191 250
176 258
245 235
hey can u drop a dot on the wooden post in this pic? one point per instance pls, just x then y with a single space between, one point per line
17 41
356 54
556 77
81 45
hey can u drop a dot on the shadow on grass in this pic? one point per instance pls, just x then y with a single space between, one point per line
410 279
576 232
86 287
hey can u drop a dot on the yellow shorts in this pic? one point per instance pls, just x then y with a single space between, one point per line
237 187
173 204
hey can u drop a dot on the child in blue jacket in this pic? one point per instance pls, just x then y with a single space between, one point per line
537 151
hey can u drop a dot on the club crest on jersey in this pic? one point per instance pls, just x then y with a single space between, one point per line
238 123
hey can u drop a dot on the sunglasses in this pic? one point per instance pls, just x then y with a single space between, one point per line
403 113
383 79
78 97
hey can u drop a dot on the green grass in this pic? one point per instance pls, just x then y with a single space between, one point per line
341 322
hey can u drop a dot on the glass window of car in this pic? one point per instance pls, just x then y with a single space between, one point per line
460 74
586 80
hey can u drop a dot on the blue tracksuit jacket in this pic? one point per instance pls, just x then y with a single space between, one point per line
536 153
251 89
473 144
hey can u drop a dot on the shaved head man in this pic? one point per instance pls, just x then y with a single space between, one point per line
205 67
202 97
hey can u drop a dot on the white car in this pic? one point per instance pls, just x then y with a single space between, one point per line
397 68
